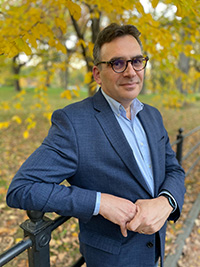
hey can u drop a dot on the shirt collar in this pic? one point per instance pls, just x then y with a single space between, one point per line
118 109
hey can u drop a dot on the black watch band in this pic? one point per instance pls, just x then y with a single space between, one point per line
170 199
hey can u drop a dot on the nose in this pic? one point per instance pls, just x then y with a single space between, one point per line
129 71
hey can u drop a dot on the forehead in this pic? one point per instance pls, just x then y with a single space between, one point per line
125 46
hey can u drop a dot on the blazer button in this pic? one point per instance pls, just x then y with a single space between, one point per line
149 244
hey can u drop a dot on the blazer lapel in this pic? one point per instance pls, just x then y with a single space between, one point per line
115 135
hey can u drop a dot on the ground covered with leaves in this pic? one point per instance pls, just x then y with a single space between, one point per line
191 251
14 149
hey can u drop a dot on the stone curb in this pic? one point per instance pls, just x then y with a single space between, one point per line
171 260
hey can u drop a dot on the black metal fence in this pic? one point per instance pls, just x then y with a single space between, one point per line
37 235
179 148
38 228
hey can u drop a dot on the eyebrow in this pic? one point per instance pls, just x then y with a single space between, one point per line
115 58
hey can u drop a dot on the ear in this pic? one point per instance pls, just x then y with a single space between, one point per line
96 74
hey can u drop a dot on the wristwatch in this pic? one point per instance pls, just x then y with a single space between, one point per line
171 201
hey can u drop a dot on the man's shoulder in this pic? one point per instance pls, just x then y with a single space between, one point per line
97 101
82 108
150 108
85 103
150 112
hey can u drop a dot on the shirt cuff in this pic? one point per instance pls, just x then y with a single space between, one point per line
167 193
97 204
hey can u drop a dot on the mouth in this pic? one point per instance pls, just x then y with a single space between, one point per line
130 84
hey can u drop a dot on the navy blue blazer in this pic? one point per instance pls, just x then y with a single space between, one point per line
86 146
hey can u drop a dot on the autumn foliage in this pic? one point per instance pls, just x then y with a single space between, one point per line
42 29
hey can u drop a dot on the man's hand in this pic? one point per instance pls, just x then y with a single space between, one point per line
117 210
151 215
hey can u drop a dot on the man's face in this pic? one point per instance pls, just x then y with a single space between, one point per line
126 86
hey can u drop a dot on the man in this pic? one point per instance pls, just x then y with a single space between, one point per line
115 153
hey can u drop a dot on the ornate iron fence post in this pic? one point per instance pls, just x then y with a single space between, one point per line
179 148
38 228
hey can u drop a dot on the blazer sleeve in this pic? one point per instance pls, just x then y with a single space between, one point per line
37 184
174 179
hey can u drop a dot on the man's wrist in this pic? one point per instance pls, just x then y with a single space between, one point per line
170 200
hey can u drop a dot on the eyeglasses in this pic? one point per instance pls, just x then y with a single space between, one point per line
120 65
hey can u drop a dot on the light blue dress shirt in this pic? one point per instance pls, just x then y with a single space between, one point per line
137 140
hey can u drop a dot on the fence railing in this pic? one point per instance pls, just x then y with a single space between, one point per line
37 235
38 228
179 148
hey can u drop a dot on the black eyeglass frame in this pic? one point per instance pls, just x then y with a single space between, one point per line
111 62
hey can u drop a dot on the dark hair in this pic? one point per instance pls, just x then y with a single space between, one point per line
110 33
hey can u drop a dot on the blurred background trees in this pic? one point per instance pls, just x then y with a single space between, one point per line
49 44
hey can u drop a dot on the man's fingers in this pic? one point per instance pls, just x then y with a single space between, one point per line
135 222
133 225
123 230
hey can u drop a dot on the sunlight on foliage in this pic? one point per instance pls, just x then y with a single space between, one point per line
4 125
173 99
68 94
43 29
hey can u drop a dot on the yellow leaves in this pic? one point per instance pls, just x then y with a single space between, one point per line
140 8
179 11
93 86
15 47
95 14
174 99
4 125
42 29
32 40
31 123
4 105
69 93
17 119
81 42
10 50
90 48
88 77
61 23
22 46
18 106
75 92
66 94
19 239
188 49
74 9
154 3
47 115
26 134
184 7
20 94
58 45
75 234
193 39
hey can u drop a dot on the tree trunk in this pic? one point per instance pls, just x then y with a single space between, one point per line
95 28
16 70
184 66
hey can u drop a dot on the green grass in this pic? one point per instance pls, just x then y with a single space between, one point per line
8 94
187 117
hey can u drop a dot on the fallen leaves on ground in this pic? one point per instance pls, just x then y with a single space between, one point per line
64 243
